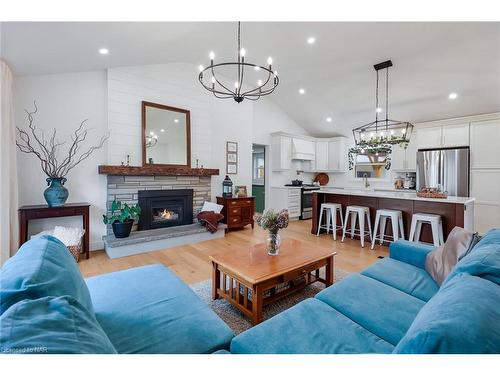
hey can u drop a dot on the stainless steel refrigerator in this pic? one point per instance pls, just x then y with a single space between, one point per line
446 168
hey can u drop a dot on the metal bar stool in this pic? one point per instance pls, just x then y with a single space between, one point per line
360 212
436 226
396 221
331 210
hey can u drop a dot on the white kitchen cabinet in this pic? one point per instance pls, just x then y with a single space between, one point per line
405 159
484 144
429 137
337 155
484 187
281 153
452 135
455 135
286 198
321 156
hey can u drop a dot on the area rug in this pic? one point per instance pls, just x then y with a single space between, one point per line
239 322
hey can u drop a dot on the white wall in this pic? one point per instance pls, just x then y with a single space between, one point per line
63 101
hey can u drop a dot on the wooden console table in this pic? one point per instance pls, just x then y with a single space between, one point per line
27 213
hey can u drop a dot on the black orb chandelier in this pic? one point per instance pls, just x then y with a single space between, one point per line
217 74
382 133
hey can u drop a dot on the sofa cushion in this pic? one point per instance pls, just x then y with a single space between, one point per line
463 317
483 261
381 309
310 327
149 310
42 267
52 325
410 252
403 276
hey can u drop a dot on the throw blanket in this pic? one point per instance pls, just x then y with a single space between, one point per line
210 220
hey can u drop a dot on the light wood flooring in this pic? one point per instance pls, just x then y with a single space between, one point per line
192 265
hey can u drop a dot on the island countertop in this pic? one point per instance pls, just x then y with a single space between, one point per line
454 211
394 194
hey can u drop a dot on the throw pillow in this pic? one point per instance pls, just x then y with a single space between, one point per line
209 206
441 261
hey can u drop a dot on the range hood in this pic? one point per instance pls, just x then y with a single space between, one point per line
303 150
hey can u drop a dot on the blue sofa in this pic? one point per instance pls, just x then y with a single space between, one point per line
394 306
47 307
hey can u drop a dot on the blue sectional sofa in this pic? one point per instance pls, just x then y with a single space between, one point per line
47 307
394 306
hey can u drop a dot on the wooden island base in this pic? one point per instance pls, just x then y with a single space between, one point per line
452 214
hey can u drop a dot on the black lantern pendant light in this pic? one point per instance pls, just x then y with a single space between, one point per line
263 80
386 132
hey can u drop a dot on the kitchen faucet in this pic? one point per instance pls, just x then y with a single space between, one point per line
365 179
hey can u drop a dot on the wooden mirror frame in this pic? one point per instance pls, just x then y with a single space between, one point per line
188 133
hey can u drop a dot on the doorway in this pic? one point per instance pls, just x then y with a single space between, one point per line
258 176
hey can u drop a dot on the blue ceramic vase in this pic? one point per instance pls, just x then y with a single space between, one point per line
56 194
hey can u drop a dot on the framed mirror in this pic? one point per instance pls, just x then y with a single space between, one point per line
166 135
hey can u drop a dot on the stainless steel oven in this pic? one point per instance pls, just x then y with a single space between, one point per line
306 201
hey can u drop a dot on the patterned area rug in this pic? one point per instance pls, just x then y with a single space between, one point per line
239 322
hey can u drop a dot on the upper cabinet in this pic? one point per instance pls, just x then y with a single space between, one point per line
336 155
405 159
281 153
484 144
453 135
321 156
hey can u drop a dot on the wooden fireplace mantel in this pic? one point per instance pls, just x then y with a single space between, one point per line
156 170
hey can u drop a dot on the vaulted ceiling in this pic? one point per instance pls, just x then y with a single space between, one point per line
430 60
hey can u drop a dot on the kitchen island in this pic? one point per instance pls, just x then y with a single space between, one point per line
454 211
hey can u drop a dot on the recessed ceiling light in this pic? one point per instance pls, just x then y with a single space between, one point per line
453 96
162 130
103 51
378 110
302 91
311 40
328 119
176 120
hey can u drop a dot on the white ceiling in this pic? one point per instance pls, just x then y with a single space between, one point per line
430 61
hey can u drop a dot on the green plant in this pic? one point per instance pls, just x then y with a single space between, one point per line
121 212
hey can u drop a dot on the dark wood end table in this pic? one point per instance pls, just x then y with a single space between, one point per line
27 213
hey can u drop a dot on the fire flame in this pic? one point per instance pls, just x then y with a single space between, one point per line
166 214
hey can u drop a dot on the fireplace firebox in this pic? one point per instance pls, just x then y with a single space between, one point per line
165 208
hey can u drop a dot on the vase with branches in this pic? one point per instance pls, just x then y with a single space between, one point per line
47 150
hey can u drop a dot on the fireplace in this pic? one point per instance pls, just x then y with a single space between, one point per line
165 208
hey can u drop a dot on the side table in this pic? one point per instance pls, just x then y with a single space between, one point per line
27 213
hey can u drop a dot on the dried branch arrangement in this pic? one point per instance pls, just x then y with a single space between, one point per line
33 141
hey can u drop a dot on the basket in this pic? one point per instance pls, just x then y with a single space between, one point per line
75 250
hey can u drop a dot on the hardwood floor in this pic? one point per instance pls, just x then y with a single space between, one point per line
192 265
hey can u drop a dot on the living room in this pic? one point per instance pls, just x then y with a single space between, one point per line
193 186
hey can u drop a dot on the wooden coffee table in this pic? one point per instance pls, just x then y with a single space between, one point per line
250 279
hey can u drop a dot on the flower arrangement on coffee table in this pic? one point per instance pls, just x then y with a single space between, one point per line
273 221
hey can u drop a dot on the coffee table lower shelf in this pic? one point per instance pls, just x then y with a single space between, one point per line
250 297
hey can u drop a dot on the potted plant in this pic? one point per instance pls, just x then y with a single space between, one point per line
122 218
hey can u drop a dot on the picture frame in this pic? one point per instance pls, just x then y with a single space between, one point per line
232 146
240 191
232 168
231 157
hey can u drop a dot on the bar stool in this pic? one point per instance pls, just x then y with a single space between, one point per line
436 226
360 212
331 218
396 221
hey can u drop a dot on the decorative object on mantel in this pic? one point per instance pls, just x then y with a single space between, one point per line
47 151
227 187
155 170
432 193
382 133
240 191
272 221
123 220
322 178
231 157
267 80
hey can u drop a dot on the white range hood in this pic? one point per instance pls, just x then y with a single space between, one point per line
303 149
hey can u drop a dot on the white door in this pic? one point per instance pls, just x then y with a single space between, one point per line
321 156
429 137
484 144
455 135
